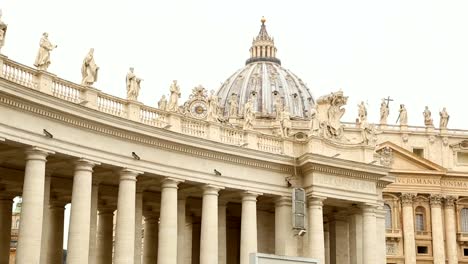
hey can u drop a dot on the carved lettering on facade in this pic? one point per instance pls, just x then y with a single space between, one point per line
454 184
345 183
421 181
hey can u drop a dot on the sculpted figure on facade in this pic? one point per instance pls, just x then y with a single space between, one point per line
249 114
362 112
314 122
162 103
213 107
174 97
42 61
427 117
444 118
279 107
3 29
233 105
368 132
403 117
386 156
89 69
285 123
384 111
133 85
330 109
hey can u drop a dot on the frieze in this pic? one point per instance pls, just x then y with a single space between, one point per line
454 184
420 181
344 183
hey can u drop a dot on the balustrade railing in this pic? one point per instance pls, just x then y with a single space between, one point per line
153 117
232 136
66 90
194 128
19 74
270 144
111 105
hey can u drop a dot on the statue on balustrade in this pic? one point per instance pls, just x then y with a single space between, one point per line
162 104
427 117
43 55
384 111
213 107
362 112
89 69
403 117
233 105
285 123
174 98
249 114
444 118
133 85
3 29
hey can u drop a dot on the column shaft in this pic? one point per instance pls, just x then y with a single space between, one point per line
369 236
355 237
45 220
209 226
124 252
55 242
150 250
248 227
381 237
6 204
339 239
450 230
104 236
222 246
181 234
408 228
285 239
316 235
80 213
167 238
138 222
29 239
438 246
93 223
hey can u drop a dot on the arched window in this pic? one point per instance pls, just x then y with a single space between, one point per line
420 219
388 216
464 220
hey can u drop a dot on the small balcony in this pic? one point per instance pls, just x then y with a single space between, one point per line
462 236
393 234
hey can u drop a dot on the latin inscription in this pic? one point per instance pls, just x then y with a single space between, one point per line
437 182
344 183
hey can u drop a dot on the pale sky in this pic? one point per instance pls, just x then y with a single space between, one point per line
415 51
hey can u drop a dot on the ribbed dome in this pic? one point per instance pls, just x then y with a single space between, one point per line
264 77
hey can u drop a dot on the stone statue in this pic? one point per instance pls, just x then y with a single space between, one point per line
403 117
249 114
314 122
233 105
427 117
368 132
89 69
279 107
285 123
444 118
162 104
384 111
174 98
362 112
3 29
43 55
133 85
331 110
213 107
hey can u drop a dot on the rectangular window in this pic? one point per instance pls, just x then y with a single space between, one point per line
420 222
422 250
419 152
465 252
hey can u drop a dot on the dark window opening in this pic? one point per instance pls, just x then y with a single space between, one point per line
419 152
422 250
465 252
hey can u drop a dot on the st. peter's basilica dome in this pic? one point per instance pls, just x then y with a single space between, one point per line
267 83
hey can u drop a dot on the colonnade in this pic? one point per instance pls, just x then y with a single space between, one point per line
91 227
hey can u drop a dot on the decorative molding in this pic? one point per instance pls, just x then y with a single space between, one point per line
407 199
450 201
436 200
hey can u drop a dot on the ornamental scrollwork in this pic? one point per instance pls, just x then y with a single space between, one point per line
407 198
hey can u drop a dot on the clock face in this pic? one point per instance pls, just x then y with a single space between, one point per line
198 109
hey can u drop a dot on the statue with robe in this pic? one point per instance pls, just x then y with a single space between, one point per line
362 112
444 118
249 114
213 107
3 29
89 69
162 103
403 117
384 111
285 123
174 97
233 105
314 122
42 61
279 107
133 85
428 122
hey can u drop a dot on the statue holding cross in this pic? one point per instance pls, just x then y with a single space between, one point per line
384 110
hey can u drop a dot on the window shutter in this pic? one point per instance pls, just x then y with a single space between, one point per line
298 208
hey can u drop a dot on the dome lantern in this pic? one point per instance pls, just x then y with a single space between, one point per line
263 47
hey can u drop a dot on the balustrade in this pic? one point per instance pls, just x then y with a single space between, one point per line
232 136
66 90
153 117
270 144
111 105
194 128
19 74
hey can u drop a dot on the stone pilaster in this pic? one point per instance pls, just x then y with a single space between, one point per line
408 228
29 239
56 225
150 243
167 239
339 238
316 245
80 213
209 226
248 226
105 234
6 204
124 251
438 246
450 230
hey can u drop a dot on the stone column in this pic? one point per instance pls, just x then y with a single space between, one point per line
315 233
222 231
381 236
369 235
167 238
29 238
408 228
105 235
339 238
248 226
138 222
285 240
55 242
6 204
209 226
93 222
80 213
355 236
124 251
150 250
181 235
450 230
45 219
438 246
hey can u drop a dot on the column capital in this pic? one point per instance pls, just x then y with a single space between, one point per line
407 199
37 153
168 182
436 200
82 164
450 201
128 174
250 196
368 208
315 200
283 201
209 189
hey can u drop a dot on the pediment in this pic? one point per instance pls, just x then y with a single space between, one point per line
405 160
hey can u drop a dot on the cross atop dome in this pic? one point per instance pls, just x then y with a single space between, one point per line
263 47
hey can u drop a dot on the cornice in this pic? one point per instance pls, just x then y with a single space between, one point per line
345 172
284 163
